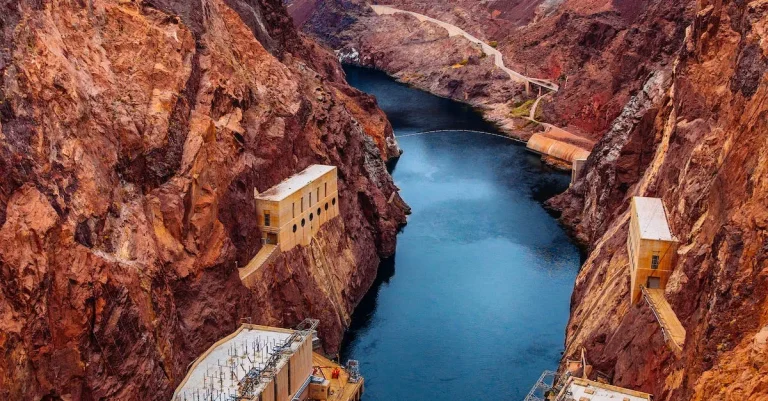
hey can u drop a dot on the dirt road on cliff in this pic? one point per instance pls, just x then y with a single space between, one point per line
489 50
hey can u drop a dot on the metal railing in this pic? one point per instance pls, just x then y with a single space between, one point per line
662 321
539 390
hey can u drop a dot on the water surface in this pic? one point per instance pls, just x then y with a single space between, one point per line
474 304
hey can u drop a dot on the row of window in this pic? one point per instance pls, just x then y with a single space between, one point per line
293 205
268 217
312 215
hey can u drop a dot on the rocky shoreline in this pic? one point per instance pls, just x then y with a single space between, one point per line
672 93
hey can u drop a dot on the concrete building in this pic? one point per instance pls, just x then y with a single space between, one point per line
255 363
291 212
577 168
552 386
651 246
577 389
557 148
258 363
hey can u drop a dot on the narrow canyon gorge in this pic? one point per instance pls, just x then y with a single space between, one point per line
673 96
135 134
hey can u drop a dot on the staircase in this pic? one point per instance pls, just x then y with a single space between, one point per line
673 330
267 253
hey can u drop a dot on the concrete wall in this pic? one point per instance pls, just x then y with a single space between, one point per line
298 217
301 365
557 149
641 252
268 394
576 169
288 381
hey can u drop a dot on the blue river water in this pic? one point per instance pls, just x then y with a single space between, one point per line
474 304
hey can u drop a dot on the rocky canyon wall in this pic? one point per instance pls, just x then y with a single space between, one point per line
675 94
695 137
133 136
599 52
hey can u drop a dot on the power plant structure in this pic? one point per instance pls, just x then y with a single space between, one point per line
259 363
291 213
652 250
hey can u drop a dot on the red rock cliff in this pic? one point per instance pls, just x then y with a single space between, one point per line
599 51
133 135
695 137
676 93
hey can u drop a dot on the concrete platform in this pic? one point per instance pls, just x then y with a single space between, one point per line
342 389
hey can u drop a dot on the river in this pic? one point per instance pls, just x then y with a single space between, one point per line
474 304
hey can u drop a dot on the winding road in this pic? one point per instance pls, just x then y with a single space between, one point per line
453 30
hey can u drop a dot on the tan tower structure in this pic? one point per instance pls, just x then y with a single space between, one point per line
255 363
292 212
651 246
259 363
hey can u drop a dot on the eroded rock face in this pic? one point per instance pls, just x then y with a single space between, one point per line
675 92
133 136
418 53
697 140
599 52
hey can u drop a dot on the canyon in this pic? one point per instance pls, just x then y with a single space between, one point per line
673 95
133 135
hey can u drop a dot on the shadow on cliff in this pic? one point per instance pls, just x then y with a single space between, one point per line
363 315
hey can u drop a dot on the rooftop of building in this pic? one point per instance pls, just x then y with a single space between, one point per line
652 219
294 183
226 363
588 390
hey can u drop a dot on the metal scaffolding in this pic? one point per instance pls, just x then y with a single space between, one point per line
242 355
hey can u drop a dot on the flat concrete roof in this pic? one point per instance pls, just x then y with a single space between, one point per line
652 219
582 389
248 347
294 183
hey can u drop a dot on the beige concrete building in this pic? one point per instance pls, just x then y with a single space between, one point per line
255 363
577 168
291 212
577 389
259 363
554 147
651 246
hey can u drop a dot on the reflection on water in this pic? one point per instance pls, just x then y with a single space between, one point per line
475 303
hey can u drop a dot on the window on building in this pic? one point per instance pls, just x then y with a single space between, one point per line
303 222
326 205
655 262
293 209
318 195
318 211
294 228
325 191
302 204
267 219
310 199
333 201
654 282
311 216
